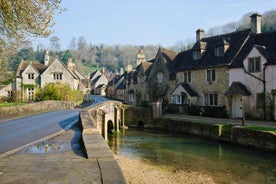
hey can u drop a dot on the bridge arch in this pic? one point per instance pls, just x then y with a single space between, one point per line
107 116
110 126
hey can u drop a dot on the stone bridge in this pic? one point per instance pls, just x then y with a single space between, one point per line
106 116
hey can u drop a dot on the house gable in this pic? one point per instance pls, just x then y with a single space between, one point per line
58 73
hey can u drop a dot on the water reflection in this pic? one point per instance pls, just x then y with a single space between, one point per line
224 162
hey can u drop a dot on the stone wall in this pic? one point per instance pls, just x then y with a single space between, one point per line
201 86
233 134
33 108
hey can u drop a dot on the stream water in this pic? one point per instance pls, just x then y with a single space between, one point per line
225 163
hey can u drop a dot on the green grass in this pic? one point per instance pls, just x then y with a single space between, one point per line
259 128
10 104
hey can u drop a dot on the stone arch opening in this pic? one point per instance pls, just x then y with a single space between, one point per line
110 126
140 124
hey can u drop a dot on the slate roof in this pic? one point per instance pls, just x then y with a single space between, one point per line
187 88
114 80
237 88
184 60
266 45
35 64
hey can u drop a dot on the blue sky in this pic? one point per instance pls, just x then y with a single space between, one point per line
141 22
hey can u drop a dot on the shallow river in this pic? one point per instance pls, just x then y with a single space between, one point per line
225 163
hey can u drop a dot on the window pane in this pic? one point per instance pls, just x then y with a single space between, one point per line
213 75
206 99
208 75
215 99
211 99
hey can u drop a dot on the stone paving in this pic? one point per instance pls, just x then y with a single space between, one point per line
58 160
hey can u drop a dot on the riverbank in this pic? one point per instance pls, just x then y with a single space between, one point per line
139 172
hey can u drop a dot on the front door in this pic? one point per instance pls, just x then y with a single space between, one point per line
237 106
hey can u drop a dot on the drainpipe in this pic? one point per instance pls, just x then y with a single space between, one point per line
264 88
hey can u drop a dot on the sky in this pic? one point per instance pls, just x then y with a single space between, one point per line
143 22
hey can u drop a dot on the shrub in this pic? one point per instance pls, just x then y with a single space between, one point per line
194 110
144 103
216 112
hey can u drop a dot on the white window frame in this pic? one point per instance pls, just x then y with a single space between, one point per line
210 75
57 76
30 75
160 77
187 77
254 64
131 97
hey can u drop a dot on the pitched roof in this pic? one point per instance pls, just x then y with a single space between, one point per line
187 88
237 88
35 64
265 43
235 40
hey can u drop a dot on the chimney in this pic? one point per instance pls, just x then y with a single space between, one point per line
199 34
46 58
256 25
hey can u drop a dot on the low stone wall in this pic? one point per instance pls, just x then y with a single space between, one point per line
33 108
234 134
253 138
96 148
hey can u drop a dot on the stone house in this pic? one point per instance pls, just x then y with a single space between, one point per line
98 84
137 83
33 74
203 70
252 76
161 79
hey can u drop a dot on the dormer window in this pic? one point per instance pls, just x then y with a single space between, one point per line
198 50
221 48
196 54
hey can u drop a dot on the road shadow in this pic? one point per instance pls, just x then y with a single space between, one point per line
77 145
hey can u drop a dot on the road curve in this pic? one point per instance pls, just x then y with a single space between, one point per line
18 132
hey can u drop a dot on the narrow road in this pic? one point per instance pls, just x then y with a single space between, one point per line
18 132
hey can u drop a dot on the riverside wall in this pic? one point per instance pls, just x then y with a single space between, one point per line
33 108
225 132
96 147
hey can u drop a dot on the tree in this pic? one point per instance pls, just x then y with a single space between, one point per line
19 19
55 45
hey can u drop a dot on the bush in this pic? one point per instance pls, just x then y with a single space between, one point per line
216 112
194 110
144 103
58 91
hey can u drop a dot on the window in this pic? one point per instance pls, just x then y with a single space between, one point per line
196 54
187 77
30 75
211 75
159 78
57 76
176 99
10 94
219 50
131 97
260 101
254 64
30 94
211 99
